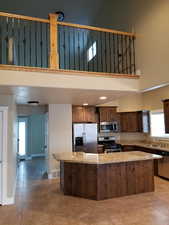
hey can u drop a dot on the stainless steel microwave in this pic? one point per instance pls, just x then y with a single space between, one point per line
109 126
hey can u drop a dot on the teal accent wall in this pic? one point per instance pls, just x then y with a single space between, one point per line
36 134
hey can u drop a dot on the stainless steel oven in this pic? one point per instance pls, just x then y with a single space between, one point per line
109 126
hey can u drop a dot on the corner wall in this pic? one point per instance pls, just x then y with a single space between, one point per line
8 100
150 22
60 134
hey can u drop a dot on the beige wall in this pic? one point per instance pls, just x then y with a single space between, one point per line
128 103
131 103
60 132
59 80
26 110
150 100
150 21
153 99
12 143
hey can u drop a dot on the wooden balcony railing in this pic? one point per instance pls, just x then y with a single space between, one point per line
48 44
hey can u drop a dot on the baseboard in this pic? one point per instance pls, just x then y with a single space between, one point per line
11 200
28 157
54 174
38 155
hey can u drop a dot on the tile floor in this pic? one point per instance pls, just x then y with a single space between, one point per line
40 202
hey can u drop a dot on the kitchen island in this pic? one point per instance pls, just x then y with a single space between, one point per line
103 176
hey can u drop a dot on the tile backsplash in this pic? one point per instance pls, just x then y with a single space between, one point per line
138 137
132 137
125 136
162 142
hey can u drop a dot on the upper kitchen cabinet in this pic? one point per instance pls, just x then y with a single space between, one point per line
108 114
166 115
84 114
135 121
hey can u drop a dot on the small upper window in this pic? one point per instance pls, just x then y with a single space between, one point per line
157 125
91 53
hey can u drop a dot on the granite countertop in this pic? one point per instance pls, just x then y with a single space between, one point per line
144 145
106 158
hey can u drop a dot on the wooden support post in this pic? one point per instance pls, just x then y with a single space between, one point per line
54 56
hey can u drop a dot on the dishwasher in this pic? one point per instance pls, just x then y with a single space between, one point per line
163 165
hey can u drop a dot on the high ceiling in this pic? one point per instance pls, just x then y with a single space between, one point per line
60 96
102 13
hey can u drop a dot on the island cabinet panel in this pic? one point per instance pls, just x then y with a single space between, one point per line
129 148
85 114
166 115
80 180
103 181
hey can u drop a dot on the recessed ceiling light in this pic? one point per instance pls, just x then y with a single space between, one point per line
103 98
33 102
85 104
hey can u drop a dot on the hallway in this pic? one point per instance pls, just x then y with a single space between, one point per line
29 170
40 202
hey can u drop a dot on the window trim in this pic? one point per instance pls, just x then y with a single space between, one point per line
165 136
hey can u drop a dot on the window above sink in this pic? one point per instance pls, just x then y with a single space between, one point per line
157 124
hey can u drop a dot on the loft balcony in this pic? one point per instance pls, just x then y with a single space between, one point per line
48 45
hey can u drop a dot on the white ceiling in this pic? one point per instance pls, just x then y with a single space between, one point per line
60 96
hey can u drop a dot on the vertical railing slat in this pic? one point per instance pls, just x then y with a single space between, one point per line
99 56
134 57
4 40
85 33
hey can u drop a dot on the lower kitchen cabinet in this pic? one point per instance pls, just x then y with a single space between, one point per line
100 149
128 148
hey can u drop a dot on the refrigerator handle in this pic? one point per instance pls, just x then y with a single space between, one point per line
84 137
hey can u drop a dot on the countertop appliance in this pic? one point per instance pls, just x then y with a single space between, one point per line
109 143
163 165
85 137
106 127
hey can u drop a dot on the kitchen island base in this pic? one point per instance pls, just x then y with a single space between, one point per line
104 181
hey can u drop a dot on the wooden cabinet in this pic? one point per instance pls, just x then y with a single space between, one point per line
135 121
166 115
86 114
128 148
129 122
100 149
108 114
109 180
77 114
90 114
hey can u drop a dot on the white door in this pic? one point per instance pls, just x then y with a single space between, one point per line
22 146
1 147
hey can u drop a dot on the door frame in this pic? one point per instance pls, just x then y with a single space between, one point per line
24 118
4 110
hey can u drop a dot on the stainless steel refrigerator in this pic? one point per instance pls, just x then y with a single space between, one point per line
85 137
